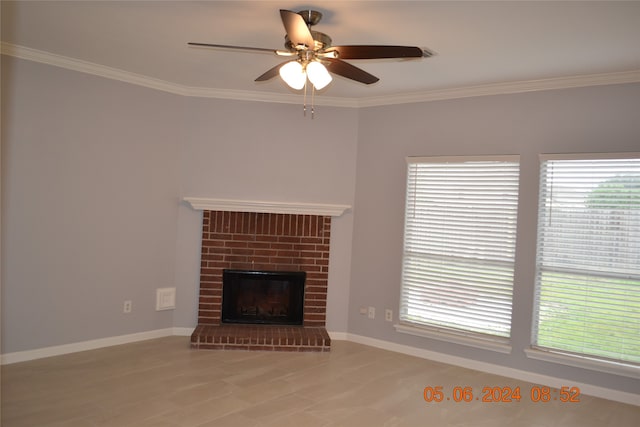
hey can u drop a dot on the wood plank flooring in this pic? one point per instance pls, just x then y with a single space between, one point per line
164 383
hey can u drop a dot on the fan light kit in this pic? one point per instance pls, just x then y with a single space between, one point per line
314 58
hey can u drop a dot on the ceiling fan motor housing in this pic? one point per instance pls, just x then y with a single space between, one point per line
311 17
321 41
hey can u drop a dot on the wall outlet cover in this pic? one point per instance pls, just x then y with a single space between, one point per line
165 299
372 313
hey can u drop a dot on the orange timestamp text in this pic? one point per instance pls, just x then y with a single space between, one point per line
495 394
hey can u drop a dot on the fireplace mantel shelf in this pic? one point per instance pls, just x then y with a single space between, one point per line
200 203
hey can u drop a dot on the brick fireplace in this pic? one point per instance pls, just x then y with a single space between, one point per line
263 241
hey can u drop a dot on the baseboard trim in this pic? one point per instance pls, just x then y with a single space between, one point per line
338 336
586 389
183 332
39 353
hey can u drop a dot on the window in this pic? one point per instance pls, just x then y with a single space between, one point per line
459 245
588 259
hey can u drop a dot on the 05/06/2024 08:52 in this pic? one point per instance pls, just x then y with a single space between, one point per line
496 394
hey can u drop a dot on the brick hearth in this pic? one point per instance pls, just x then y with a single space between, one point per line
260 337
263 241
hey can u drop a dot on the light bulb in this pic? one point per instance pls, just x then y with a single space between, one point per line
293 75
318 74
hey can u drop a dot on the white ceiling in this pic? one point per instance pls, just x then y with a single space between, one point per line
477 43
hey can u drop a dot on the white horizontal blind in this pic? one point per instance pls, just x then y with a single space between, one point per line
459 244
588 258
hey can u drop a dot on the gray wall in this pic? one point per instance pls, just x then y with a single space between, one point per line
259 151
597 119
93 173
89 205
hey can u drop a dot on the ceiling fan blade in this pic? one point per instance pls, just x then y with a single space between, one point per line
224 46
374 52
271 73
297 29
347 70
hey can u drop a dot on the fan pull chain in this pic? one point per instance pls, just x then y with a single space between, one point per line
304 102
313 97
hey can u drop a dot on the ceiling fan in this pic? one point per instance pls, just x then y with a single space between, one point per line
312 56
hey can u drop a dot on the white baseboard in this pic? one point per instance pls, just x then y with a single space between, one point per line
338 336
58 350
39 353
587 389
182 332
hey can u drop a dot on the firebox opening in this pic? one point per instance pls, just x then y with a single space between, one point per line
263 297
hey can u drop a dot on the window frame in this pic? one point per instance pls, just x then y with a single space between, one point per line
480 340
560 356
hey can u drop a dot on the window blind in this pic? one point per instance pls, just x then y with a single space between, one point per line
459 243
587 299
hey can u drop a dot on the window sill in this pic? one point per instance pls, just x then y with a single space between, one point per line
609 367
497 344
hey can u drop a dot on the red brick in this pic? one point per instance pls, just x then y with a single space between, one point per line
265 252
259 245
220 236
316 289
287 253
241 266
210 243
268 242
235 258
314 240
268 238
211 257
288 239
235 244
313 316
304 247
282 246
310 310
280 260
311 254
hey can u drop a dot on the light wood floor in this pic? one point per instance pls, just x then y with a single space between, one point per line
166 384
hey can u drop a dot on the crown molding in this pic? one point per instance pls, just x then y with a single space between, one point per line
47 58
506 88
22 52
208 204
73 64
255 96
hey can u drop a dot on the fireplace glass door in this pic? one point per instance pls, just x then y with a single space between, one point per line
263 297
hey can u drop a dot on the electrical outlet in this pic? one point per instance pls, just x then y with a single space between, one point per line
388 315
372 312
127 307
